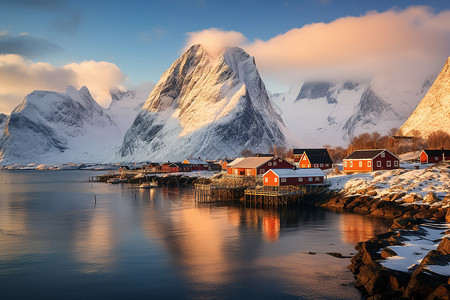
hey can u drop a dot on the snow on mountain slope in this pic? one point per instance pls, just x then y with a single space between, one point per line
50 127
433 112
331 113
3 119
206 107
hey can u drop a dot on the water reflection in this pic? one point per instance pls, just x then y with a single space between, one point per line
158 242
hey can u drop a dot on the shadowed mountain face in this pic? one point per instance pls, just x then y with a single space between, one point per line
204 106
433 112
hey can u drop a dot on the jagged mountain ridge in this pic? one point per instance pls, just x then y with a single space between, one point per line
50 127
333 112
204 106
433 111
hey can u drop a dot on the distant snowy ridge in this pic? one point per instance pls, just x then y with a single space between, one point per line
51 127
333 112
205 107
433 112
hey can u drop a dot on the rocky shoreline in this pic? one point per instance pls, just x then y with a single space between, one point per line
379 282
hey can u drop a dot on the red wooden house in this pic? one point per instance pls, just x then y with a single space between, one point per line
313 158
224 163
281 177
434 156
253 166
362 161
197 164
175 167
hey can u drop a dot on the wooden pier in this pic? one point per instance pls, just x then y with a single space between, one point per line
208 193
280 195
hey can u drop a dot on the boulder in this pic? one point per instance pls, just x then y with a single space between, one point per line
412 198
431 198
444 246
405 223
441 293
388 252
422 284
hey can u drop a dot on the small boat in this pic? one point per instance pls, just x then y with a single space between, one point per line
148 185
116 180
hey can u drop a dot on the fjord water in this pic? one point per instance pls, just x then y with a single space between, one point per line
57 242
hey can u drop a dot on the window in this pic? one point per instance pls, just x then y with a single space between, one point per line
315 165
274 163
395 163
382 154
388 163
321 165
351 163
360 163
310 179
309 165
275 179
436 158
235 171
283 179
248 171
304 157
317 178
369 163
266 179
269 164
379 164
345 163
279 160
300 179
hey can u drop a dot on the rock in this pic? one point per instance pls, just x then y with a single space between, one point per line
447 216
441 293
431 198
426 213
412 198
422 284
338 255
444 246
388 252
405 223
393 196
436 257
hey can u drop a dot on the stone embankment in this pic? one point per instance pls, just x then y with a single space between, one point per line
387 207
420 282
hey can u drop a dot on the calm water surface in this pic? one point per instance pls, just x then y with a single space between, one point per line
57 243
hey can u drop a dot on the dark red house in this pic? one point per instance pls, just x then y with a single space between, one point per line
253 166
362 161
313 158
281 177
434 156
197 164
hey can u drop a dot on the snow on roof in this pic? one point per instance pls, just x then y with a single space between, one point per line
364 154
235 161
305 172
252 162
196 161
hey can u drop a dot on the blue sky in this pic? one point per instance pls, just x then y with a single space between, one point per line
143 38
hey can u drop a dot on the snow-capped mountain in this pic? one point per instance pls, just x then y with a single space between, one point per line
205 106
51 127
433 112
3 119
333 112
125 106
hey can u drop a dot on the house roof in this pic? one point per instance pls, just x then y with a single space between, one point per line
286 173
364 154
251 162
178 164
195 161
315 156
235 161
437 152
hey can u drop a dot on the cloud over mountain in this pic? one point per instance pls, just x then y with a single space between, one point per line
20 76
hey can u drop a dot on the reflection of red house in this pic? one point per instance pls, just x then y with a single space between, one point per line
313 158
370 160
434 156
196 164
281 177
253 166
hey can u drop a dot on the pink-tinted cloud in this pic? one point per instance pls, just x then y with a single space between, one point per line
214 40
20 77
392 43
